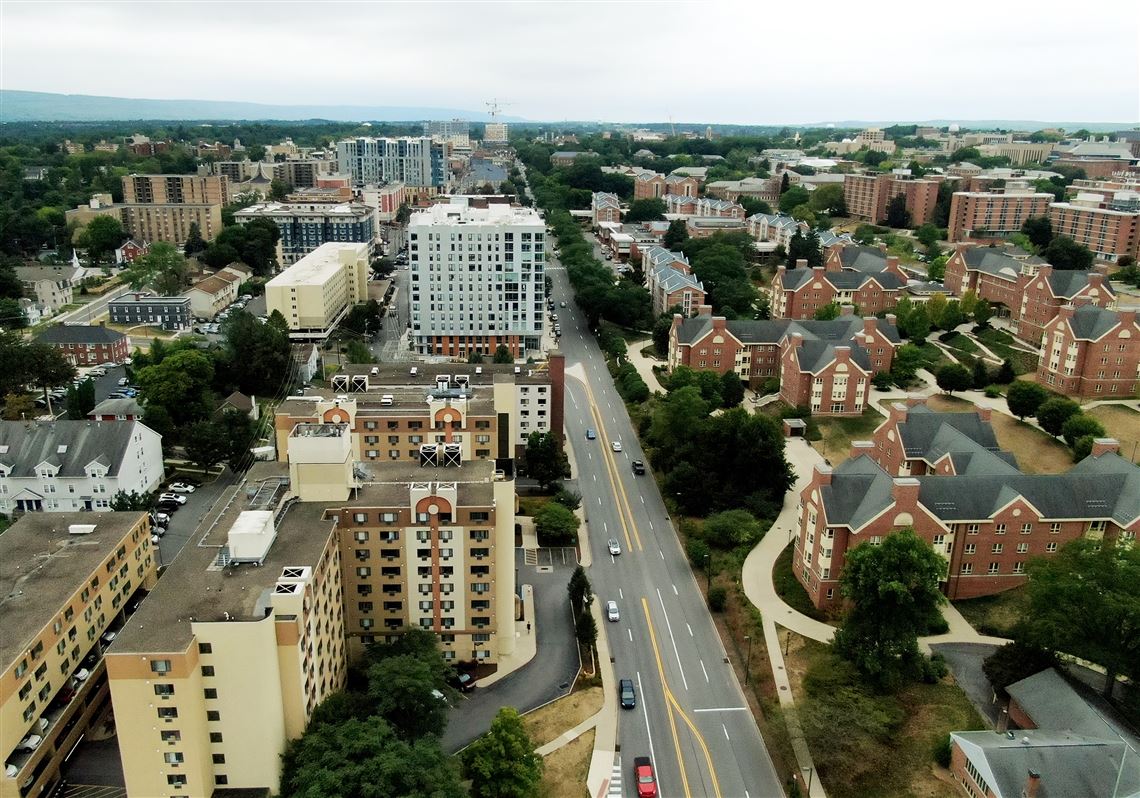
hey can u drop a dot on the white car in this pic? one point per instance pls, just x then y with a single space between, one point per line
177 498
97 372
615 445
181 487
612 614
108 637
82 674
30 743
613 546
160 519
124 382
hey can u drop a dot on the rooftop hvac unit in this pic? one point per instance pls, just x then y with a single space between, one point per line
462 380
428 454
340 382
359 383
452 455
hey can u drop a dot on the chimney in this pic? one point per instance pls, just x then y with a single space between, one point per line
1096 279
719 323
822 474
1032 784
898 413
860 448
984 413
1065 312
870 326
797 340
892 319
893 263
780 271
842 354
801 263
1126 318
904 491
1105 446
846 310
704 310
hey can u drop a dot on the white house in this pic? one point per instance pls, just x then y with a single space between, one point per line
68 466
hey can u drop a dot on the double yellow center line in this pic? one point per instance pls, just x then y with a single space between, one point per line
620 496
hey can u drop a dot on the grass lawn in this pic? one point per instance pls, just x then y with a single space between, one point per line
1002 343
995 615
529 505
962 343
1036 452
567 768
839 432
882 745
545 724
1122 423
790 590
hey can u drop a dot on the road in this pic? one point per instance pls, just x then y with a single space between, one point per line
92 310
691 715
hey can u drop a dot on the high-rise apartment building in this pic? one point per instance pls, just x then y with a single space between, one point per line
412 161
984 215
70 581
306 226
163 207
316 292
1111 229
456 132
477 278
867 196
176 189
496 133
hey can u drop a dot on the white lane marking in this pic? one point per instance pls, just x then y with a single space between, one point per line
613 560
621 594
595 477
676 653
651 526
723 709
643 500
675 593
630 633
590 455
706 673
648 730
599 498
690 630
662 554
726 732
605 528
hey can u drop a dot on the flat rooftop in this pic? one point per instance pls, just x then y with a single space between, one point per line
42 565
320 264
387 484
455 214
305 208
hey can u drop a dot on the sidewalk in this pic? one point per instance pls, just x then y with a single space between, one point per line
643 364
525 647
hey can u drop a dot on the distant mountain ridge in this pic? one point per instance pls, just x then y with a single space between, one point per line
38 106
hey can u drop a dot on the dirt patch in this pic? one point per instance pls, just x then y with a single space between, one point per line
1036 452
545 724
567 768
1122 423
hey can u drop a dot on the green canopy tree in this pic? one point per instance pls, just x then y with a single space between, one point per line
1053 413
194 241
206 444
101 238
502 763
645 210
1023 398
556 525
163 268
676 234
1063 253
181 384
954 377
545 458
402 689
897 213
503 355
1039 231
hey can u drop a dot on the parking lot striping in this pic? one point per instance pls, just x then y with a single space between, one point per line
630 632
621 594
669 627
661 553
690 630
675 593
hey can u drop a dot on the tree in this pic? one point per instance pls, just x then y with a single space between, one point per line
81 399
935 306
403 690
1053 413
580 590
785 183
731 389
240 433
676 234
358 352
951 316
253 243
1078 426
556 525
279 189
503 354
364 757
804 247
1085 601
586 630
364 318
194 241
928 234
502 763
163 268
893 590
917 324
131 502
732 528
828 312
255 357
1063 253
1015 661
181 384
753 206
1039 231
1023 398
12 314
828 198
102 237
897 214
661 331
545 458
206 444
954 377
474 357
983 310
19 407
981 374
1005 374
794 197
645 210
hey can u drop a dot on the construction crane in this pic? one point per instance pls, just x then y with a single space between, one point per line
496 106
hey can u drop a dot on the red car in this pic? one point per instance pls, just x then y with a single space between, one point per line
646 780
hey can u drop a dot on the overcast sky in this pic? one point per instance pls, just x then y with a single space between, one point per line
755 61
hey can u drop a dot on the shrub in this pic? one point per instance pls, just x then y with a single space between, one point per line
569 499
1014 662
883 381
1024 398
698 552
934 668
718 598
770 385
993 392
1079 426
942 752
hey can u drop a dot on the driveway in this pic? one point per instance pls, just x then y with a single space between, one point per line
546 677
93 771
185 520
965 661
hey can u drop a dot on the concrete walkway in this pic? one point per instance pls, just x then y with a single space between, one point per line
643 364
525 647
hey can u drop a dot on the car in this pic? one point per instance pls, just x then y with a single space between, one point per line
615 445
158 530
612 614
159 519
108 637
561 304
645 777
463 682
194 480
82 674
154 539
124 382
130 393
638 468
590 434
613 546
30 743
127 362
554 317
97 372
608 256
171 497
116 395
181 487
10 770
627 693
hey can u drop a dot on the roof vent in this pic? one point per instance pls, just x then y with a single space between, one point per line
80 529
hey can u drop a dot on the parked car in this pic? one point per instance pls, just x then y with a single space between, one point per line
627 693
181 487
159 519
612 614
171 497
108 637
82 674
98 371
614 546
561 304
123 382
463 682
30 743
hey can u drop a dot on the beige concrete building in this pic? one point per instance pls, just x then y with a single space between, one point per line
316 292
241 639
176 189
70 580
1019 153
171 222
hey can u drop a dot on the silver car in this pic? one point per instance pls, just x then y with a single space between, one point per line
612 614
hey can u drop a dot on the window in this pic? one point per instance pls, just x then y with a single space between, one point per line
173 757
1019 567
168 713
971 548
997 548
221 779
994 568
213 714
999 529
207 670
171 736
177 780
1026 529
219 759
967 568
164 689
205 648
210 692
1050 547
1022 548
215 737
160 666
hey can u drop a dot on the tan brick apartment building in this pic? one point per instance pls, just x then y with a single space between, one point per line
990 215
78 577
972 504
807 355
1090 352
689 205
798 293
176 190
866 196
162 207
1089 220
1027 290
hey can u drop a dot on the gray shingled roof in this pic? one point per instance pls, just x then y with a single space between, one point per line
772 331
1068 282
1090 322
69 445
1054 705
994 261
79 334
863 259
1070 766
844 280
33 274
116 407
860 489
923 424
814 355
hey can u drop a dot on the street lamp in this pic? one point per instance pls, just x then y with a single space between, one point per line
748 661
708 574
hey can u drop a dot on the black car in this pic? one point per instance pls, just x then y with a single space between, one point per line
627 693
638 467
463 682
168 507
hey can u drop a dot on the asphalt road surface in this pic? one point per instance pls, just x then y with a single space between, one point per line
691 716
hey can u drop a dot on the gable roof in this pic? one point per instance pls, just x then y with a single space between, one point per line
116 407
1053 704
994 261
215 283
1070 282
1090 323
772 331
813 356
863 259
69 445
842 280
34 274
79 334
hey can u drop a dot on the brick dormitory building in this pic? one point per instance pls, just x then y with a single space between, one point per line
942 475
825 365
